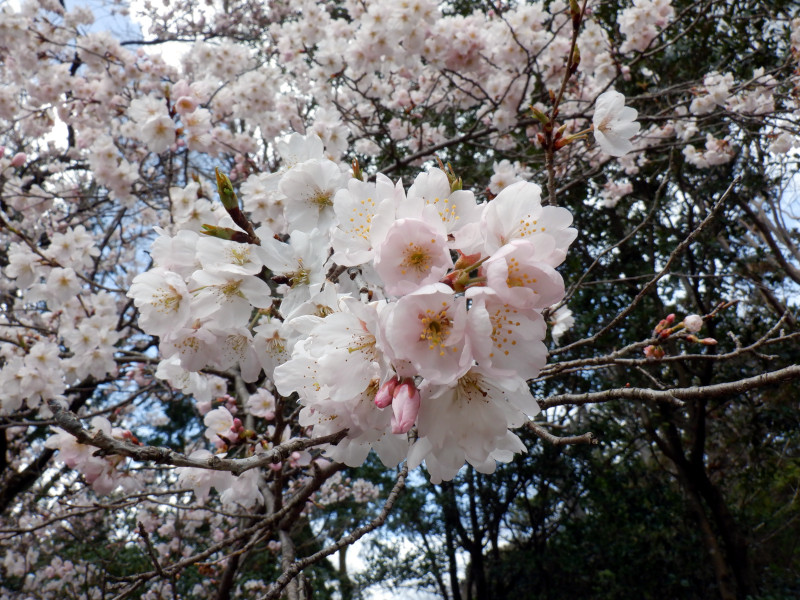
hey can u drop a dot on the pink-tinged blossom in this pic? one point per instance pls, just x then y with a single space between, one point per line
195 345
454 208
203 387
469 421
23 265
507 341
783 143
368 428
176 253
364 211
273 341
74 247
99 472
413 254
428 329
162 299
296 148
62 285
517 213
219 424
519 276
236 348
222 255
338 360
185 105
614 123
261 404
309 188
505 174
262 199
561 322
640 23
301 261
613 191
228 298
202 480
153 125
158 133
244 490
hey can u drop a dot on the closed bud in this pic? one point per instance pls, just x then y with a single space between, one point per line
384 396
654 352
357 172
576 60
575 12
405 406
708 342
539 115
225 189
225 233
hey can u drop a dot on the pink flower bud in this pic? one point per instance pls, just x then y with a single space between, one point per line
654 352
19 159
237 425
670 318
384 396
405 406
708 342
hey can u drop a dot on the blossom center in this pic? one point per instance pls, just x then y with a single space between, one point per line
239 256
416 258
435 329
167 300
517 277
321 198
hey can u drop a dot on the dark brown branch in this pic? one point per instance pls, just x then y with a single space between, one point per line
677 396
108 445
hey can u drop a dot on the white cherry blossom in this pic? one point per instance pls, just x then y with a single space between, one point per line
614 123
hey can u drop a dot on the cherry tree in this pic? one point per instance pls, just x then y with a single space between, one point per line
435 231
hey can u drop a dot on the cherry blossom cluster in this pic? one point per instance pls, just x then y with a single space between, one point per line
686 329
383 309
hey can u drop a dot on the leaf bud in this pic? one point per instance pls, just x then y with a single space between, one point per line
225 189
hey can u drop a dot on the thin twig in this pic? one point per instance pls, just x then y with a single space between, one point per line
296 567
676 396
652 283
542 433
151 551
